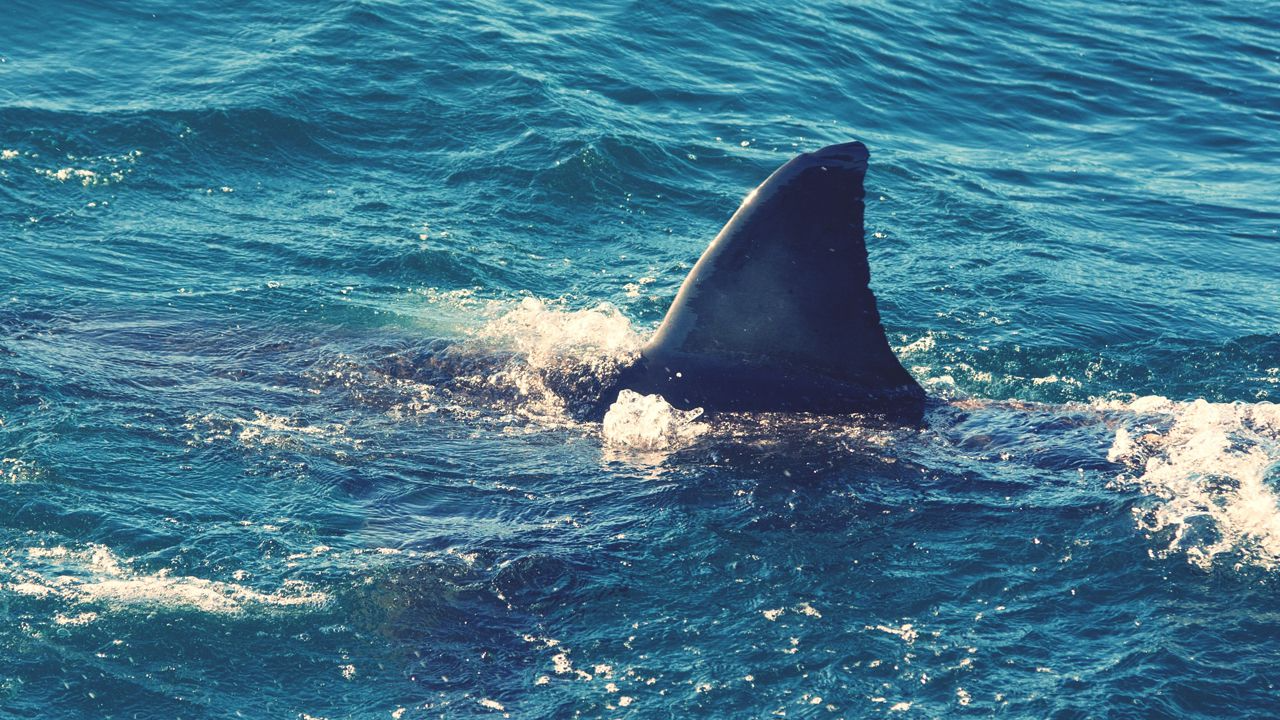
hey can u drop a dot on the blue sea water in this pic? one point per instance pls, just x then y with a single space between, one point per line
237 479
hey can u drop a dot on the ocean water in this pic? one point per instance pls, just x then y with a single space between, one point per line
284 288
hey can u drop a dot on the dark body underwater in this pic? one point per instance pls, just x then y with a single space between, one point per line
302 306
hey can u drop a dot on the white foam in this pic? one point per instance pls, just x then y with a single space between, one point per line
633 289
907 631
267 430
110 169
650 423
924 343
16 470
1207 467
95 575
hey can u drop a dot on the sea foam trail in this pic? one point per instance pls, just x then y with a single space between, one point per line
94 576
1211 470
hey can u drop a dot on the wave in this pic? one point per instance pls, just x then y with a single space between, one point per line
194 138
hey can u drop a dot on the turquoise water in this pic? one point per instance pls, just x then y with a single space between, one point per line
283 288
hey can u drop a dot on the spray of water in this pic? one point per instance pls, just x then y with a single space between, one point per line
1208 468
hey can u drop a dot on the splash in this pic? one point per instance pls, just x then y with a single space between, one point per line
548 334
650 423
561 358
1209 468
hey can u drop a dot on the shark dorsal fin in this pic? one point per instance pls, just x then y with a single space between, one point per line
778 313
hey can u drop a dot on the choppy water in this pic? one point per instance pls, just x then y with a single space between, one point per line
235 241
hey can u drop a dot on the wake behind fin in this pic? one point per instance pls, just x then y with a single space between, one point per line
778 314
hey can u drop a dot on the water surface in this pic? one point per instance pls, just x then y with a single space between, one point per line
233 482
